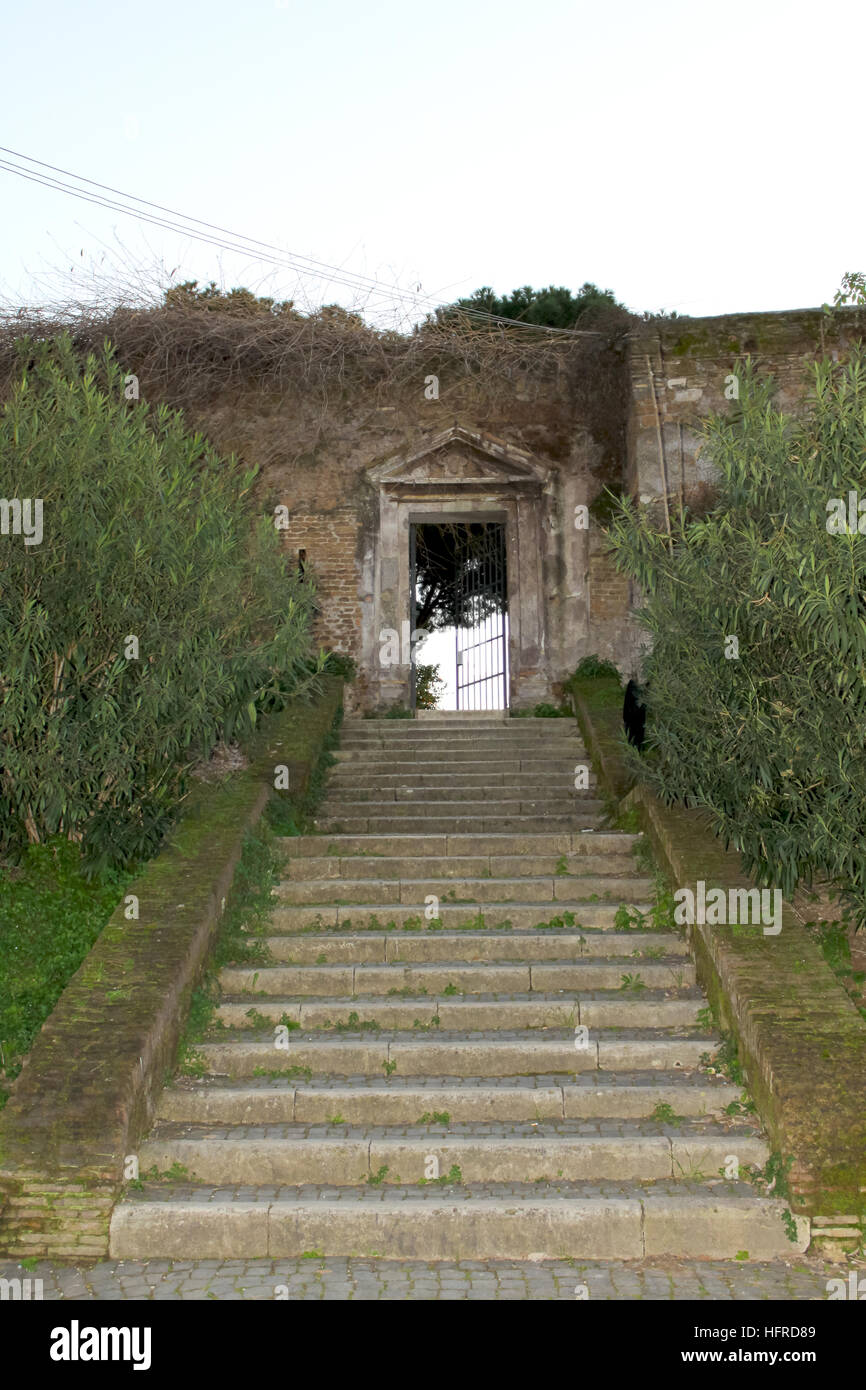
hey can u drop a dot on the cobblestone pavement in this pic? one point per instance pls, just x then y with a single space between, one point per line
804 1278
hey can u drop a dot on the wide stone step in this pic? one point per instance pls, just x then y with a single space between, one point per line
434 1055
396 1101
434 1223
489 977
405 731
485 744
462 866
565 888
477 1011
384 916
458 726
541 763
559 803
347 790
583 842
484 781
424 823
296 1156
369 947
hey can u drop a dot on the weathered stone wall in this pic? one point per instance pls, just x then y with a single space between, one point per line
322 460
679 370
623 415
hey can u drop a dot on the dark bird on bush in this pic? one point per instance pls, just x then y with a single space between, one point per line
634 714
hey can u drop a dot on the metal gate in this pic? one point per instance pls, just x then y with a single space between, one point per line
482 637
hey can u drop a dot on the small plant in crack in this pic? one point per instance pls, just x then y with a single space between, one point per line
632 984
665 1114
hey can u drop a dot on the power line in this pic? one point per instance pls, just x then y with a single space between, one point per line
97 200
229 241
213 227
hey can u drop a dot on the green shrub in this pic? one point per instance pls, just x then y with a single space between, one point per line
338 664
593 668
770 739
147 534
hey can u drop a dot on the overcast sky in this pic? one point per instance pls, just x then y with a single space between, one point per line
690 156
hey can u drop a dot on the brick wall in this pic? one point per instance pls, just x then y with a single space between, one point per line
329 540
608 590
681 369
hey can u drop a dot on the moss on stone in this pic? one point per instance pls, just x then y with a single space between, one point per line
89 1088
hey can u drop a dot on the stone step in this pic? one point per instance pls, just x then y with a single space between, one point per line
390 1101
541 763
435 1223
379 916
343 789
564 888
455 724
559 731
486 977
465 720
558 801
330 866
474 1012
294 1156
369 947
524 1054
460 775
588 842
423 823
487 1084
500 737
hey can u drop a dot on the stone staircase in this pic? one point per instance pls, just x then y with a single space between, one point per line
463 1047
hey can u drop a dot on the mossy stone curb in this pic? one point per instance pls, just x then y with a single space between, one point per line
88 1090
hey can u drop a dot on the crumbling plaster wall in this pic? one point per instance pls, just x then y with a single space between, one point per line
315 459
585 429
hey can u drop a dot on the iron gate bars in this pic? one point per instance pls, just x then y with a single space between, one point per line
481 640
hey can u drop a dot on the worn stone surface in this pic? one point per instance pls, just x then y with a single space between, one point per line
525 448
443 1105
804 1279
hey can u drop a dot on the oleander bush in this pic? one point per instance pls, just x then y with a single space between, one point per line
157 615
757 611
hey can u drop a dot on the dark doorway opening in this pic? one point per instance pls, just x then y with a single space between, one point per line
459 595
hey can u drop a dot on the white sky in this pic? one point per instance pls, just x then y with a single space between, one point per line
691 156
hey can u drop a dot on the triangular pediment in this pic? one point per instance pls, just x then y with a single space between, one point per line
460 457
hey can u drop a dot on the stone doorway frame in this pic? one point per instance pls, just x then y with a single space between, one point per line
460 475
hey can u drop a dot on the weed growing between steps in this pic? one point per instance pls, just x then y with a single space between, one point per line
665 1114
660 917
251 901
772 1179
260 1023
290 815
246 917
